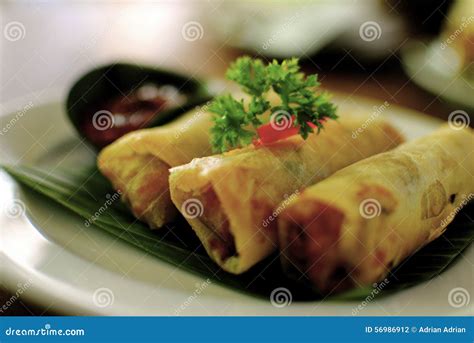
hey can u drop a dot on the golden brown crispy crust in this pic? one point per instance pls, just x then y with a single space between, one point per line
143 182
391 205
138 163
248 184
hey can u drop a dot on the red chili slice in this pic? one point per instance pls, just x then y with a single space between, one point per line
270 133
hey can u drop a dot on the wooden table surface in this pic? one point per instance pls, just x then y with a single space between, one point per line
61 43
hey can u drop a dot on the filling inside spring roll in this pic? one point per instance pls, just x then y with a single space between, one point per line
137 164
231 199
351 229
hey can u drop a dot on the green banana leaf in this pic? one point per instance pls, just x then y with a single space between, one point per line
81 191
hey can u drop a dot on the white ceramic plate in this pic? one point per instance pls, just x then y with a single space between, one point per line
437 70
58 263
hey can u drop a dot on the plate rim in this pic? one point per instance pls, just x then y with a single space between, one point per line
65 305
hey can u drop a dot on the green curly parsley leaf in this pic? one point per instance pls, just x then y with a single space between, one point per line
235 123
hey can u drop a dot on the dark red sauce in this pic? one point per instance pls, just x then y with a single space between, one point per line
124 113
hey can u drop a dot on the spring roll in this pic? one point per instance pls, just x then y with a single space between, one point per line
137 164
229 199
351 229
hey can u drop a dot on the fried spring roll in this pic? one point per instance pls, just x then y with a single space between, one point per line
229 199
137 164
351 229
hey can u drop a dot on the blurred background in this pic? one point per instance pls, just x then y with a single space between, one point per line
415 53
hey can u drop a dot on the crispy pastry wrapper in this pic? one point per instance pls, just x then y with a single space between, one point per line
351 229
230 199
137 164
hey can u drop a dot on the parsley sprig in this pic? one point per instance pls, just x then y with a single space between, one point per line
235 123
